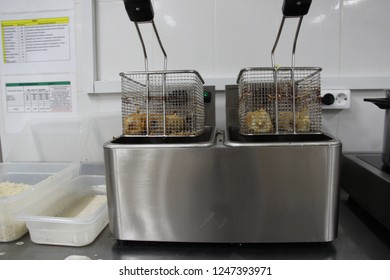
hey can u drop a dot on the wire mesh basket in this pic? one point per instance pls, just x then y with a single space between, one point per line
279 101
162 103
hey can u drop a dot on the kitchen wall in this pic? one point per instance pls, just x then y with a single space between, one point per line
360 128
349 39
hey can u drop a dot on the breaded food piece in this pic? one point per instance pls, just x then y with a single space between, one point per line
134 124
302 119
174 124
258 122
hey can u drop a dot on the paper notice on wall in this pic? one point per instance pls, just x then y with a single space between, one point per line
37 67
37 96
35 40
41 42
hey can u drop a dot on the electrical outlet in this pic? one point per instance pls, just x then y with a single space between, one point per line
336 98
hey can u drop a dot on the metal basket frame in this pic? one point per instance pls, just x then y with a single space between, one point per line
280 100
162 103
284 105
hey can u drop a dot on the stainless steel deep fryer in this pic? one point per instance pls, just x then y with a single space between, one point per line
227 186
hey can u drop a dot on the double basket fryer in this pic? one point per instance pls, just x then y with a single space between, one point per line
271 176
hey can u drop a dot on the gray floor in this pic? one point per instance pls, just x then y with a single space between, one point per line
360 237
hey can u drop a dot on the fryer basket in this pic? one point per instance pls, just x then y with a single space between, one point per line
162 103
279 100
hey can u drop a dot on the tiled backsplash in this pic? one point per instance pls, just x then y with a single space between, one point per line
219 37
347 38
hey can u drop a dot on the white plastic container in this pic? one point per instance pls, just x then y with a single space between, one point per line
99 128
50 222
42 156
51 140
36 175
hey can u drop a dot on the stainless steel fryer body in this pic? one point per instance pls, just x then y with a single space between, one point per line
223 191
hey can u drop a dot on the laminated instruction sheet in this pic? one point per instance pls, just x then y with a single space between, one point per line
38 67
38 97
35 40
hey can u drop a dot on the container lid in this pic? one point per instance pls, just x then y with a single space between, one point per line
55 140
66 140
99 129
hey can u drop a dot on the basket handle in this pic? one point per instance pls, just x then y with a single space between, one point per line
141 11
296 8
291 8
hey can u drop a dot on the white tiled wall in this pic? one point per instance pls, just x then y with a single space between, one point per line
347 38
359 128
219 37
365 44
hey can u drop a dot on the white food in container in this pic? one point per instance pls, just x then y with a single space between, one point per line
73 214
8 189
84 206
11 230
23 184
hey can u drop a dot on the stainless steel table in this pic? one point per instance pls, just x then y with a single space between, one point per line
360 237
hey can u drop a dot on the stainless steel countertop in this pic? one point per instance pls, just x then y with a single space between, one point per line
360 237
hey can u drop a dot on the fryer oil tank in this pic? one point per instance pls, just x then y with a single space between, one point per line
223 188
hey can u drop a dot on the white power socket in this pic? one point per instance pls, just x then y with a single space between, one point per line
336 98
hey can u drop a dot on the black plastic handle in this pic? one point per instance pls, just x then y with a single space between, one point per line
295 8
139 10
383 103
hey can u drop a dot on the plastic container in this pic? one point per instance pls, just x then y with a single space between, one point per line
44 148
52 140
99 128
42 156
37 176
54 220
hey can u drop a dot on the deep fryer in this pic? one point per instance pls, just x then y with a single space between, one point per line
231 185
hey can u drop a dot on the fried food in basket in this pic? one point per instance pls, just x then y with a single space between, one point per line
286 121
302 119
135 124
258 122
174 124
